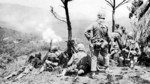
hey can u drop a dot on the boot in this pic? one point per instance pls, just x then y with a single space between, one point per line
93 75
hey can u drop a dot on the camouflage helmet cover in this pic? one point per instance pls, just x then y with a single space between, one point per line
80 47
101 14
54 48
130 34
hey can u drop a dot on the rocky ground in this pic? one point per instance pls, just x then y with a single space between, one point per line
119 75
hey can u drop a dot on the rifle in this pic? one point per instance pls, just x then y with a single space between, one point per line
73 47
129 53
50 50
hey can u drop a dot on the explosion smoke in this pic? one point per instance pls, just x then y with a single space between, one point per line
28 20
49 35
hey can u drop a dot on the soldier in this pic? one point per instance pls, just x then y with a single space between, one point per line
145 56
97 34
37 62
51 60
118 40
132 50
119 36
79 62
115 52
24 70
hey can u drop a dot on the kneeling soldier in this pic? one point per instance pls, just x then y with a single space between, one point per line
132 51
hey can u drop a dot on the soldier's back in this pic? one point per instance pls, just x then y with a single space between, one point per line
99 30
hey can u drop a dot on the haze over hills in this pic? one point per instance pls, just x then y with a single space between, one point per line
38 21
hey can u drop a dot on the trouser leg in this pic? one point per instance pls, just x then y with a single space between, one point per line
106 60
106 56
26 71
134 61
11 75
94 60
121 59
43 67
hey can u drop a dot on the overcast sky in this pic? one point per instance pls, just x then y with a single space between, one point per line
78 8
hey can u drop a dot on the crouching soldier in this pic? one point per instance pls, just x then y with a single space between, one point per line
115 52
131 52
79 62
116 44
50 60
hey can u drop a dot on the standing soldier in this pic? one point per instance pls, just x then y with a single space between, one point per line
97 34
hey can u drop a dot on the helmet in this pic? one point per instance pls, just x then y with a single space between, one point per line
54 49
80 47
123 28
101 15
117 26
115 45
119 31
147 51
130 35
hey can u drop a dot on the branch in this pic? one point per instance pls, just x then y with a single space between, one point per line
56 15
69 0
109 3
122 3
61 6
63 1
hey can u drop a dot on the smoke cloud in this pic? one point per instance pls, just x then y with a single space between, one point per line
49 35
28 20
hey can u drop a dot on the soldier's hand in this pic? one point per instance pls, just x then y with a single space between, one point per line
133 52
91 45
125 50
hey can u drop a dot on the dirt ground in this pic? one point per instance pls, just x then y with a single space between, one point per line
118 75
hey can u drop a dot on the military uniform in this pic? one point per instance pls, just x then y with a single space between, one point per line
97 33
147 49
119 36
50 61
131 51
115 52
79 61
31 63
24 70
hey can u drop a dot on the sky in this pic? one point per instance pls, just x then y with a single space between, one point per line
78 8
27 19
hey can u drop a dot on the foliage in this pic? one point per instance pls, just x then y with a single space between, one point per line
114 6
140 14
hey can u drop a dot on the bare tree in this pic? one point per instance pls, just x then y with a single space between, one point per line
114 6
67 21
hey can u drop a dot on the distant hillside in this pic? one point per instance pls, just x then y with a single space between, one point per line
13 35
27 19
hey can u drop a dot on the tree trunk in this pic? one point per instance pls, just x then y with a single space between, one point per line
69 29
113 20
